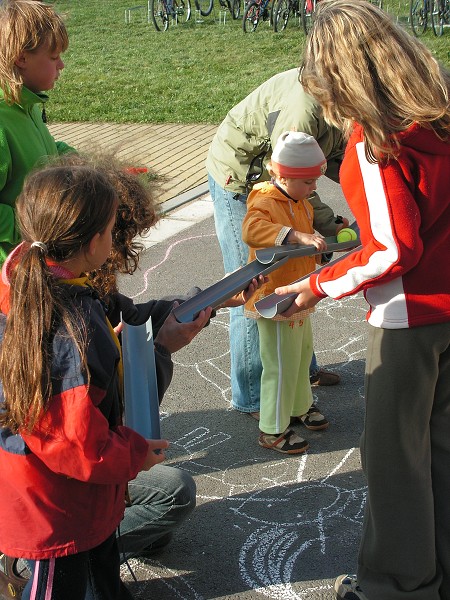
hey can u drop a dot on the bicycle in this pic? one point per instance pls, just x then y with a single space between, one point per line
418 14
255 12
309 6
282 11
205 7
440 16
162 11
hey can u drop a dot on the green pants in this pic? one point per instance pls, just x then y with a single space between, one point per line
405 453
286 349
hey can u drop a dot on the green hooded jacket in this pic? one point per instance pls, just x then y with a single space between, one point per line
25 142
244 140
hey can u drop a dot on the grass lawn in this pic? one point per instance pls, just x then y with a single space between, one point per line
192 73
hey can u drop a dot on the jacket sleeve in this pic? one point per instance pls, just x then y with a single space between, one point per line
324 218
64 148
8 230
258 229
389 219
74 439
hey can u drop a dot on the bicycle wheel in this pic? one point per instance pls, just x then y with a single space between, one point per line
204 6
281 12
418 12
250 19
182 10
159 14
307 11
437 17
235 9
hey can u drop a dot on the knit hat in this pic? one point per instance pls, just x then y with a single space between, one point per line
297 155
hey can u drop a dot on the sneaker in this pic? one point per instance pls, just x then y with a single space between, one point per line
323 377
286 443
12 581
313 419
347 588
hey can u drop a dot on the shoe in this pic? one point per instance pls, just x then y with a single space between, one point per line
286 443
323 377
347 588
12 581
313 419
254 415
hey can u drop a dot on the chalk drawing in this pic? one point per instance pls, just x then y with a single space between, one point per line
285 512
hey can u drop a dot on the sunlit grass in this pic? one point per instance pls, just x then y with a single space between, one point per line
192 73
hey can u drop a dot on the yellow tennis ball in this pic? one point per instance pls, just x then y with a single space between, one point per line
346 234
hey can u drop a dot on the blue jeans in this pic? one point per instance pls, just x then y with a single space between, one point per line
161 499
246 368
229 212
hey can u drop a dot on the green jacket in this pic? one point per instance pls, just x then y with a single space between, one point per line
25 142
243 142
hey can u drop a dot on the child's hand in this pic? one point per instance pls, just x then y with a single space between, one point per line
245 295
174 335
153 458
344 223
308 239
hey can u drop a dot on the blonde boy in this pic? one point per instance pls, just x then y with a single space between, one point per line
32 39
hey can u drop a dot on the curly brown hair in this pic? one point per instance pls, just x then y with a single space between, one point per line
137 212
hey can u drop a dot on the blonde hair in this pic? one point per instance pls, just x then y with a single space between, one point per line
26 26
362 67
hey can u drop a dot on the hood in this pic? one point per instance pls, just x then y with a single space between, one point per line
424 140
419 139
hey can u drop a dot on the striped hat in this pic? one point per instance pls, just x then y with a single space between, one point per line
297 155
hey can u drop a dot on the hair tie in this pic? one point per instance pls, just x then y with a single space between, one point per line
40 245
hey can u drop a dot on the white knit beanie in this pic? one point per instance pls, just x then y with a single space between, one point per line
297 155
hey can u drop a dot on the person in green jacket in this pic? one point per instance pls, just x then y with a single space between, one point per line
32 39
239 152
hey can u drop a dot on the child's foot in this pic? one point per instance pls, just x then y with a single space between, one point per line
287 443
313 419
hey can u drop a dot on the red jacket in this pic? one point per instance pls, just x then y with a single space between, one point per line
403 211
63 485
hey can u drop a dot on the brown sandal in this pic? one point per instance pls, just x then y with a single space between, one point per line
11 581
286 443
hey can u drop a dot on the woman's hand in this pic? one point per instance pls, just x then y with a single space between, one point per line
305 296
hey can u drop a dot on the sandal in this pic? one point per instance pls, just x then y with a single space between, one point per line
12 581
313 419
286 443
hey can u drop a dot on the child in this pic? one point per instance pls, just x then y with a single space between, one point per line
32 38
386 90
278 212
65 458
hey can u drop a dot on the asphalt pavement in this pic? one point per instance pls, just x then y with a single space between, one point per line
266 524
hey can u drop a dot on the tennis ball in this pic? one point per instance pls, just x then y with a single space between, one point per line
346 234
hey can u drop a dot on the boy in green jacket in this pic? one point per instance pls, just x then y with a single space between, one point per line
32 39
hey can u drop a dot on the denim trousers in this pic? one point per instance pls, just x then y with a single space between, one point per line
161 499
246 368
229 212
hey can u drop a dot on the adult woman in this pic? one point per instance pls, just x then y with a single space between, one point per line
391 97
